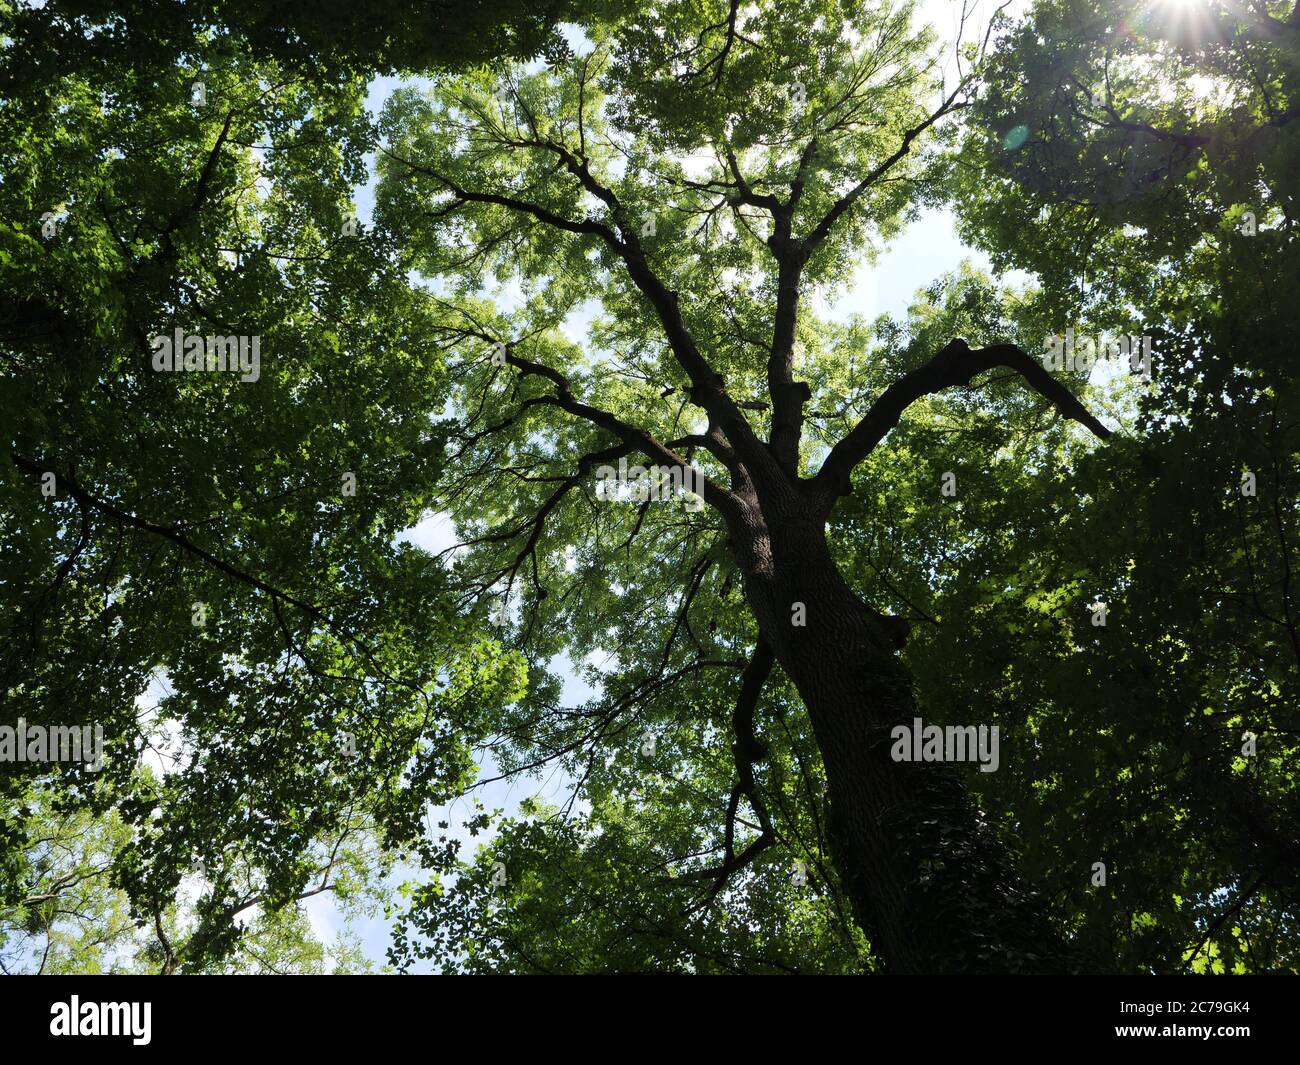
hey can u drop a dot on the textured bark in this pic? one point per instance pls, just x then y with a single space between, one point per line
926 880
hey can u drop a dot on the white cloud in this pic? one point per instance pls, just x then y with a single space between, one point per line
436 532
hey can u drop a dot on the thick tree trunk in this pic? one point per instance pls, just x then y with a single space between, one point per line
926 880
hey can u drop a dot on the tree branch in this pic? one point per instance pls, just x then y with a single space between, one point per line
823 228
955 364
714 494
707 386
747 750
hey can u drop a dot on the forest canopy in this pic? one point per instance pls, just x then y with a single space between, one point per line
569 279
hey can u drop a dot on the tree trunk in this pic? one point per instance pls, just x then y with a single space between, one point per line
925 878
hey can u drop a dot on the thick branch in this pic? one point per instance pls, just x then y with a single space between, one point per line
707 386
955 364
792 253
747 750
714 494
846 201
542 214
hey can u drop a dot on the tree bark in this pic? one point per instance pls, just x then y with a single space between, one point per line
925 877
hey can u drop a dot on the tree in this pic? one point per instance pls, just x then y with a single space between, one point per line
71 919
1161 139
618 259
215 551
326 40
572 178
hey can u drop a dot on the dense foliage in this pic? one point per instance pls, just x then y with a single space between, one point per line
556 239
